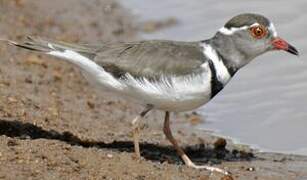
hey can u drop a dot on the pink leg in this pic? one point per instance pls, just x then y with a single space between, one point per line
136 131
184 157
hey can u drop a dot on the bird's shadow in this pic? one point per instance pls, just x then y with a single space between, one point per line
199 153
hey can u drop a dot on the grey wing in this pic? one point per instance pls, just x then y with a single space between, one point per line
140 59
151 58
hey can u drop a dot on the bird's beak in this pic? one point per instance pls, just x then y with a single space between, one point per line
280 44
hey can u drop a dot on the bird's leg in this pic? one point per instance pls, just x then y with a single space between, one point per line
136 130
168 133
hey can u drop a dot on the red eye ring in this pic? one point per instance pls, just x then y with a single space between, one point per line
258 32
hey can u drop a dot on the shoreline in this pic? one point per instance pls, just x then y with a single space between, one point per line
53 125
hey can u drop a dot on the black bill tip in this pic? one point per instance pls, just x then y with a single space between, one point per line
291 49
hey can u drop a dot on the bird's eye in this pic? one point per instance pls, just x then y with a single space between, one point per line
258 32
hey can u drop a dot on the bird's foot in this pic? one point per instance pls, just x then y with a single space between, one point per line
210 168
189 163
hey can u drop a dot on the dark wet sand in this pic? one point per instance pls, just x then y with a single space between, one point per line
53 125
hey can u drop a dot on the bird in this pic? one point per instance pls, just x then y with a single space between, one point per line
166 75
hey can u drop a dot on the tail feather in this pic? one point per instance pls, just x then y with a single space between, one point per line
34 45
46 46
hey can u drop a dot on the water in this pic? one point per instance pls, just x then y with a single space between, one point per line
265 104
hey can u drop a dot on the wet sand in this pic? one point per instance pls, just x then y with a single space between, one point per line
53 125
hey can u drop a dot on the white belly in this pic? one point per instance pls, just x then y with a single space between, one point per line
174 94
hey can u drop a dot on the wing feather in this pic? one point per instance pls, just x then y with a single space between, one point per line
148 59
151 58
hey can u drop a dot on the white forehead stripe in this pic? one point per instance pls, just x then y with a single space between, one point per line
273 30
227 31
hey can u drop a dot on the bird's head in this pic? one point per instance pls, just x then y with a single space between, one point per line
248 35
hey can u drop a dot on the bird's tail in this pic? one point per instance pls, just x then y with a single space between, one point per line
47 46
80 55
